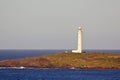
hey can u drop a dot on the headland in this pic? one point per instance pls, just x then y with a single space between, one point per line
88 60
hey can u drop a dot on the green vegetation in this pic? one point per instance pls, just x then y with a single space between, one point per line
89 60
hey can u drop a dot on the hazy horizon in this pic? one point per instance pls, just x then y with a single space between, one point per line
52 24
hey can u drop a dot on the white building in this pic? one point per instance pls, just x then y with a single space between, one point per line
79 48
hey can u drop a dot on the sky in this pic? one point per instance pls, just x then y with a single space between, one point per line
52 24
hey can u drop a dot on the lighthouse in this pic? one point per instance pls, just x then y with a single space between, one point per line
79 47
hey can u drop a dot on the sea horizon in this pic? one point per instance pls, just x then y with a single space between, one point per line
23 53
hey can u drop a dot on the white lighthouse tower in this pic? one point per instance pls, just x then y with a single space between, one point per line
79 48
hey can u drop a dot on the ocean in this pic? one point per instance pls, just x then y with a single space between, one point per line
53 74
58 74
15 54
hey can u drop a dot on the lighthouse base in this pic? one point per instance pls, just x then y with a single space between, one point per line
76 51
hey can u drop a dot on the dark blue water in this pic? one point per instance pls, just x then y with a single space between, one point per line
14 54
58 74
